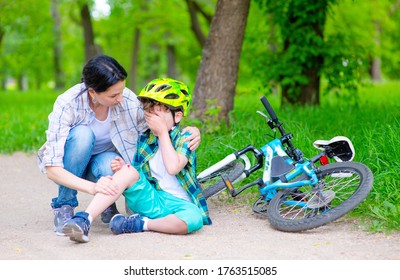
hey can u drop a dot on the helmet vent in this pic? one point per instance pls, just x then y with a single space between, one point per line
163 88
172 96
185 92
150 87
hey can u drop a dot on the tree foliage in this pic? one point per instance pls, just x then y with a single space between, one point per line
26 26
298 58
355 35
359 40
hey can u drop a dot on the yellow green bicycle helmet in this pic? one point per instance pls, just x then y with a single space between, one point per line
172 93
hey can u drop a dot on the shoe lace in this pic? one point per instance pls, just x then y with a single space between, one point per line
132 224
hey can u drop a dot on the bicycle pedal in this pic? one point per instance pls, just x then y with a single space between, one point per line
228 184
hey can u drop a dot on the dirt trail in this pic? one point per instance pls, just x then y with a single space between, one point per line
236 233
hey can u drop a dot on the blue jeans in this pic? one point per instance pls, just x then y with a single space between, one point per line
78 160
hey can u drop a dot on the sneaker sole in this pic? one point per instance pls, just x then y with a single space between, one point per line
105 222
75 233
59 233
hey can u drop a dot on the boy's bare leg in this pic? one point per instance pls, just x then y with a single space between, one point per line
168 224
123 179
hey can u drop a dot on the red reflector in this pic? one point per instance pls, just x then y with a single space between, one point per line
324 160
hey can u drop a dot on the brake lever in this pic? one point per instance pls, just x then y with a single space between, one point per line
269 121
264 115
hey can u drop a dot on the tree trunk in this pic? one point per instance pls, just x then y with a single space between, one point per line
57 49
20 82
308 93
171 62
134 59
375 72
3 78
218 72
2 32
301 93
91 49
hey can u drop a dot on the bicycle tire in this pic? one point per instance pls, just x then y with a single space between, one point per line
340 195
213 184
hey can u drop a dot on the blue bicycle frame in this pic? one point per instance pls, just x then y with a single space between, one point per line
274 148
268 186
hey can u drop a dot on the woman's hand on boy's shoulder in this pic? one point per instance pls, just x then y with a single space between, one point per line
194 137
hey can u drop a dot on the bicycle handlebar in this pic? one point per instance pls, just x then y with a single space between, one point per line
270 111
296 154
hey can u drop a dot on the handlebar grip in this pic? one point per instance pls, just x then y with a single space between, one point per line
270 111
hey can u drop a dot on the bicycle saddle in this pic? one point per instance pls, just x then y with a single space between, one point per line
339 147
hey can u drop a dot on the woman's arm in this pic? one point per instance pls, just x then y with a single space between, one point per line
63 177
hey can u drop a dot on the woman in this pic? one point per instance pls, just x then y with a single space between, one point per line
91 124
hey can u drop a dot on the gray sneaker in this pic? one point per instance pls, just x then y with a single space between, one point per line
61 216
78 227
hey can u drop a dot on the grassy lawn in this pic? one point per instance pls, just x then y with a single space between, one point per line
371 121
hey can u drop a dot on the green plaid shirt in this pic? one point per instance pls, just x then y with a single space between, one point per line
147 146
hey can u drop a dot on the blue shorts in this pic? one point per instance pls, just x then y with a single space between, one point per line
142 198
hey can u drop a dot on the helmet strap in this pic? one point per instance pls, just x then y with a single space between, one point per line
173 117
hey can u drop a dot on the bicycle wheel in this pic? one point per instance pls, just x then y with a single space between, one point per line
341 187
213 184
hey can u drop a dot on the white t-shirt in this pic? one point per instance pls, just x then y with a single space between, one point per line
167 182
101 130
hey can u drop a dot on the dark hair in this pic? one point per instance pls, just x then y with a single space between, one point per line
148 104
101 72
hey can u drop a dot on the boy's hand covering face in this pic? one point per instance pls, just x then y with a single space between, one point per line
159 120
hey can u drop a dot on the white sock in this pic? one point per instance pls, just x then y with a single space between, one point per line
145 220
90 218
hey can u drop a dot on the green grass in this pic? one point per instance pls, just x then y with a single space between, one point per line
23 120
372 122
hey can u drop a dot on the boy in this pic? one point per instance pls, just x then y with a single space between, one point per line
161 185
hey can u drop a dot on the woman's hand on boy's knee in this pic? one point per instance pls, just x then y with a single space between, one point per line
106 186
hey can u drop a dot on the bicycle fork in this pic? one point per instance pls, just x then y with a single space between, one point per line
247 171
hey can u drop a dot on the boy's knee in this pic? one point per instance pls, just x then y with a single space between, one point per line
131 172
